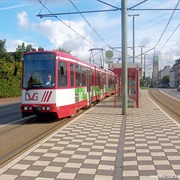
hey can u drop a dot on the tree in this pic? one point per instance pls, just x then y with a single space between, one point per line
63 50
29 48
20 50
2 46
9 57
166 79
40 49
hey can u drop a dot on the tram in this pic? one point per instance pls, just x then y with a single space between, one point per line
61 84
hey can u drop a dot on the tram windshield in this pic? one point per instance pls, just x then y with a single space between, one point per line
39 70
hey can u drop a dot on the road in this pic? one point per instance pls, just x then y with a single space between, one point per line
9 113
172 92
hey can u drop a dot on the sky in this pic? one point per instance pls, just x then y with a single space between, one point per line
157 30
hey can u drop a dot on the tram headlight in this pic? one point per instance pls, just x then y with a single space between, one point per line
43 108
30 108
48 108
25 108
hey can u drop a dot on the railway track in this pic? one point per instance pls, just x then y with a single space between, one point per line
170 105
17 138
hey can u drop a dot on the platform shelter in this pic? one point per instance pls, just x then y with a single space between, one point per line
134 72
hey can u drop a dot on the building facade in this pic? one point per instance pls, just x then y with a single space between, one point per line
177 72
155 70
172 80
161 74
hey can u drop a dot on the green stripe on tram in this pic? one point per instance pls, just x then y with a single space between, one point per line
81 93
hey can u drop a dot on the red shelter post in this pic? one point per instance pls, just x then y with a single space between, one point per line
134 70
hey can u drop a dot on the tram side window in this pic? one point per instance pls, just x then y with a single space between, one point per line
92 77
81 75
72 74
78 75
62 74
84 76
98 78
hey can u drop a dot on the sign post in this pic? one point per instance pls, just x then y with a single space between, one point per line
109 56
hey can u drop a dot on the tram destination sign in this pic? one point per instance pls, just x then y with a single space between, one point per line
39 56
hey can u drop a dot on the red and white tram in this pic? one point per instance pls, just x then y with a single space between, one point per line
59 83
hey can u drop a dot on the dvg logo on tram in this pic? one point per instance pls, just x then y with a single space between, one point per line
31 97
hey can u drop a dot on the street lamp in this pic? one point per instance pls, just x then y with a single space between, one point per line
133 15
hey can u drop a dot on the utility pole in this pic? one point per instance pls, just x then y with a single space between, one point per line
124 55
133 15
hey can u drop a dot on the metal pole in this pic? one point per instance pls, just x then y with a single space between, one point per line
133 42
124 55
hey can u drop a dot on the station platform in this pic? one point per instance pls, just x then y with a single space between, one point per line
102 144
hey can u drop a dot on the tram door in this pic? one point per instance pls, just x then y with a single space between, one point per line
89 94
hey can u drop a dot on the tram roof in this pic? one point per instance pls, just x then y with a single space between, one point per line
70 57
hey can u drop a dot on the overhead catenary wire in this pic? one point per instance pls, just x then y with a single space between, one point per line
90 25
167 24
43 7
115 9
137 5
53 15
169 37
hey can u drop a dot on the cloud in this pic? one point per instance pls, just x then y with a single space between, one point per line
13 7
23 19
62 36
52 33
13 44
145 41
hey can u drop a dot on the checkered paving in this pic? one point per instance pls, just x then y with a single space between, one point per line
152 144
84 149
87 148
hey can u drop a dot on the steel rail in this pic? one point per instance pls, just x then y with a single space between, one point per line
168 104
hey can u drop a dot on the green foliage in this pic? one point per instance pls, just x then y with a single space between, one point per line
11 68
20 50
2 45
40 49
10 85
63 50
145 82
166 79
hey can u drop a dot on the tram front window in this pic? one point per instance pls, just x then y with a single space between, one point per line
39 70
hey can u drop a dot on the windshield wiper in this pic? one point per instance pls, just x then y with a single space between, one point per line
30 84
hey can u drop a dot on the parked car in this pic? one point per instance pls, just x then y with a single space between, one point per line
178 88
151 86
163 85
